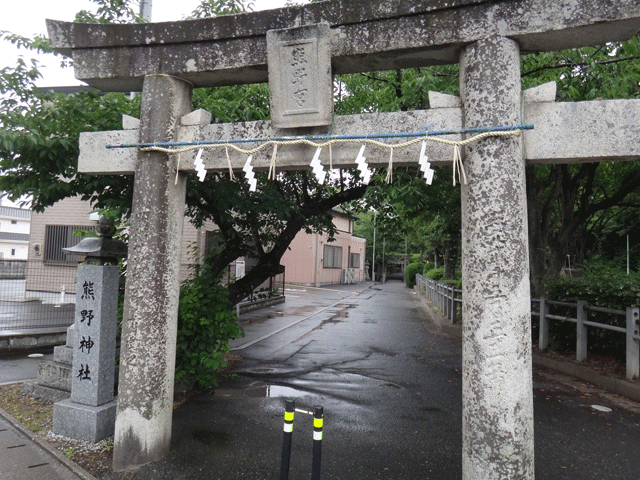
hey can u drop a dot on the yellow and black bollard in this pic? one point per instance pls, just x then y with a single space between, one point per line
289 412
318 422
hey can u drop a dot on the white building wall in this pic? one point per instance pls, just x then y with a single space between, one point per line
15 225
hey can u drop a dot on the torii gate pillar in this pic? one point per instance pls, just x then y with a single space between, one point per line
497 417
150 320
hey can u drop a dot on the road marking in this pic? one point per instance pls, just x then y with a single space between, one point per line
329 289
264 337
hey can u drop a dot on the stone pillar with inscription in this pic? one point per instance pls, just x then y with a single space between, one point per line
90 412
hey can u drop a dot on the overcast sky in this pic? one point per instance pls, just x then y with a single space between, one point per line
27 18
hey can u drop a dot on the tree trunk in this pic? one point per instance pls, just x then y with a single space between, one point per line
269 263
450 258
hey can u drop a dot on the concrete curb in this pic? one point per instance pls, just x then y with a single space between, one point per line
73 467
258 304
620 386
24 340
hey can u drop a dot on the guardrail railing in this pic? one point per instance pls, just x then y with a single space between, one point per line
447 299
631 330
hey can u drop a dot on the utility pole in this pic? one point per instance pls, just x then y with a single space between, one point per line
145 9
373 262
627 254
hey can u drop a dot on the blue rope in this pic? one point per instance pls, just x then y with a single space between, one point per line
430 133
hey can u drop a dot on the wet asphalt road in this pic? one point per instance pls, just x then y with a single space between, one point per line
390 386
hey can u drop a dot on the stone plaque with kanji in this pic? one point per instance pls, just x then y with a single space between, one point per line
300 81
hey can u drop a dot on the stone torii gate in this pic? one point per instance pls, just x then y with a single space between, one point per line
486 37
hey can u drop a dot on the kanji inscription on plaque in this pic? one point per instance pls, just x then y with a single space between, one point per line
300 80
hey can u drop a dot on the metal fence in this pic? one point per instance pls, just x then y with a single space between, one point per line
272 287
448 299
34 297
445 297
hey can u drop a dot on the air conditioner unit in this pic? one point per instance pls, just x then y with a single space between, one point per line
37 249
348 275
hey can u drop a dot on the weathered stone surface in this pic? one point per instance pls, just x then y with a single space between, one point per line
366 35
497 410
34 389
300 80
55 375
71 336
147 359
130 123
542 93
564 132
574 132
197 117
443 100
63 354
84 422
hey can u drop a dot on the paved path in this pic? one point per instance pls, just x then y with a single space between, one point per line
23 458
390 384
22 365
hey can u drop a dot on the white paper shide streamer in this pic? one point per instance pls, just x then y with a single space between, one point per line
425 165
250 176
361 161
200 166
318 170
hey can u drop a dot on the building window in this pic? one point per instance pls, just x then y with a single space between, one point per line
57 237
213 242
14 222
332 257
354 261
13 252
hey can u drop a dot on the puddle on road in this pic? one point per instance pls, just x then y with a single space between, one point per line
337 318
265 391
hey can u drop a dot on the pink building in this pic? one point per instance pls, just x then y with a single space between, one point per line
312 260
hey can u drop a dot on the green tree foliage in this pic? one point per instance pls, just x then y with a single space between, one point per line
110 11
215 8
410 273
602 284
206 324
40 148
573 208
39 136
